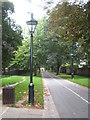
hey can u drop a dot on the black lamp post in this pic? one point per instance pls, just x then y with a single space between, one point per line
32 26
72 61
72 67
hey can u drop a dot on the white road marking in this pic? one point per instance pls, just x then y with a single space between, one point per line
75 94
4 111
72 92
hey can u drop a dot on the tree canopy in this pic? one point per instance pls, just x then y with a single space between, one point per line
11 34
63 34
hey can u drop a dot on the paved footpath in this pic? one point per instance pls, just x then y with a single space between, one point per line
49 110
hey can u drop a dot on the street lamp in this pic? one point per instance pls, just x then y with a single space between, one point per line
72 67
72 72
32 26
72 61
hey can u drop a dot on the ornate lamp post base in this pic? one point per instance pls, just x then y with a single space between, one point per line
72 76
31 93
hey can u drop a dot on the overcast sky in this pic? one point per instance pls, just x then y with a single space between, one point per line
22 7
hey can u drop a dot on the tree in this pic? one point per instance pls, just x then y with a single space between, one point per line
11 34
55 39
46 50
70 23
49 52
22 57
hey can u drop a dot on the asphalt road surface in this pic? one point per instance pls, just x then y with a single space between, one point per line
71 100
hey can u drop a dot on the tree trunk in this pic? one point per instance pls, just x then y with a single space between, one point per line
58 69
52 68
35 71
39 69
4 72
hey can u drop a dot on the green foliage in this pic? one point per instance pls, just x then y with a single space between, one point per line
11 34
55 40
69 24
22 56
40 42
72 21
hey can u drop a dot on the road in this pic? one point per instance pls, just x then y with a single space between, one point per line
71 100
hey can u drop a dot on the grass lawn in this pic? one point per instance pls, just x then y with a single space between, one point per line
84 81
22 90
4 76
81 80
8 80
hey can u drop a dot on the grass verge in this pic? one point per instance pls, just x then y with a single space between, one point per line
81 80
22 90
10 80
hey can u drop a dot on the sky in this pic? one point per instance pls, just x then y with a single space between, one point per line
23 8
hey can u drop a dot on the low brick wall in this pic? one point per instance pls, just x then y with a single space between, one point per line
79 71
17 72
68 70
63 70
83 72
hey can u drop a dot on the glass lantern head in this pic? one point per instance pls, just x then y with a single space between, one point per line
32 24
